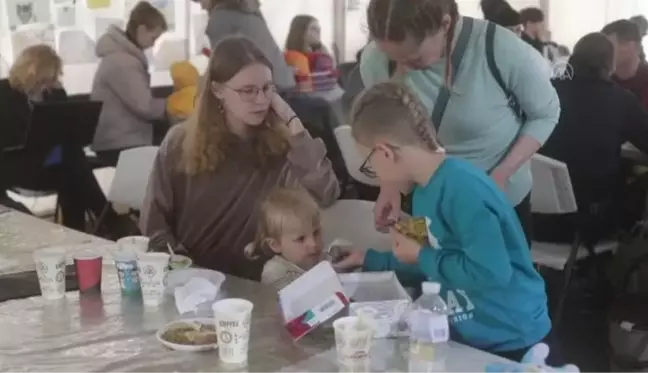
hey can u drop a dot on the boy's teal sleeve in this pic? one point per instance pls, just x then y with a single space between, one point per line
523 70
374 65
377 261
483 261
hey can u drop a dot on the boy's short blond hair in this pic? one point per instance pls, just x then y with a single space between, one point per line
392 111
35 65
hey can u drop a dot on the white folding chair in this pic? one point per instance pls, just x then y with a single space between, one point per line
128 187
353 220
352 159
552 193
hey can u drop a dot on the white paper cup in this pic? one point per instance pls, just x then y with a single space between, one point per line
50 267
153 269
232 318
134 244
353 339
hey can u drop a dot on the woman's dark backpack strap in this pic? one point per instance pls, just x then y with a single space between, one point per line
455 59
495 72
391 68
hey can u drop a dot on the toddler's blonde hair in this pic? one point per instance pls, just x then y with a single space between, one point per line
283 210
392 110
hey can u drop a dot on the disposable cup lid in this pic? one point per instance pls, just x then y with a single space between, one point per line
52 252
232 306
86 255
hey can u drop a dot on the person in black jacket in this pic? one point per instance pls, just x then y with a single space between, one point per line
33 78
502 13
596 119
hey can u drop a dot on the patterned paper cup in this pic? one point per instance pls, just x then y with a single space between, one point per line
232 318
50 267
153 269
353 339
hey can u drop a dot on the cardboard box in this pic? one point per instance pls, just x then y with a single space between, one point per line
311 300
380 295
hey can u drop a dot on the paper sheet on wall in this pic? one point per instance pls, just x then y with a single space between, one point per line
76 47
102 24
65 16
170 51
27 12
200 38
26 38
98 4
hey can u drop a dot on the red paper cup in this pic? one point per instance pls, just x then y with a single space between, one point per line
88 272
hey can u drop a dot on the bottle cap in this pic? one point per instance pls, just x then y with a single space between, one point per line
431 287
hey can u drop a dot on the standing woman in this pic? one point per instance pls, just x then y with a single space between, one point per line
243 17
476 119
123 83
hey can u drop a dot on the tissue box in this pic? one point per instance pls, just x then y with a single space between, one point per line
380 295
311 300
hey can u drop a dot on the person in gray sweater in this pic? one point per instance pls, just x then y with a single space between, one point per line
123 84
243 17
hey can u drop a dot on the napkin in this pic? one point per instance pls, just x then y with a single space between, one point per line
194 293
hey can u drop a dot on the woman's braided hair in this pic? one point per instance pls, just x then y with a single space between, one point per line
392 109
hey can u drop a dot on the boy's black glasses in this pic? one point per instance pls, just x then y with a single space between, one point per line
366 169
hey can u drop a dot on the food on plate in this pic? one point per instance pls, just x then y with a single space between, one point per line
191 334
179 261
414 228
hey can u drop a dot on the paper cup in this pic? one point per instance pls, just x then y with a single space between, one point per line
353 339
232 318
134 244
153 269
50 267
126 265
88 267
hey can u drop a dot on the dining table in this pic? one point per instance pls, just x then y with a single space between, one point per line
113 332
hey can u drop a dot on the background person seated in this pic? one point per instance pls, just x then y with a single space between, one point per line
631 70
597 117
122 83
34 77
213 169
315 68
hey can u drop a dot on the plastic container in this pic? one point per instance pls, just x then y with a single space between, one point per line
428 325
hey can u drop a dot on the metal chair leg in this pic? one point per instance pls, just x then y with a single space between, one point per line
568 269
101 218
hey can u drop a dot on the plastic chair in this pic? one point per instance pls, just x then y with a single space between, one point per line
130 181
352 159
552 193
353 220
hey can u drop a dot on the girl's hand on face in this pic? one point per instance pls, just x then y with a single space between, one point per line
287 114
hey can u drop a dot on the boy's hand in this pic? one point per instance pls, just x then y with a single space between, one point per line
351 259
405 249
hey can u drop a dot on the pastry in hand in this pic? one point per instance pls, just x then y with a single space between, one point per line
414 228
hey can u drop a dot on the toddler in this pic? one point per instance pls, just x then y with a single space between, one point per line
288 236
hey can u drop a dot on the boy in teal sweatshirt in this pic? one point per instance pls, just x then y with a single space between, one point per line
476 247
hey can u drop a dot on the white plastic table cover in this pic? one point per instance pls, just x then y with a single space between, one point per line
22 234
110 333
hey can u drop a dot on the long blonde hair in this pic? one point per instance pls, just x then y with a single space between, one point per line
33 66
208 139
283 210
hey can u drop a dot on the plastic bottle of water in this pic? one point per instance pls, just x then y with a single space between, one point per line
429 329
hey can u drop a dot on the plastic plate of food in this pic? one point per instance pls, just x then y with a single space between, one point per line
179 261
190 335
